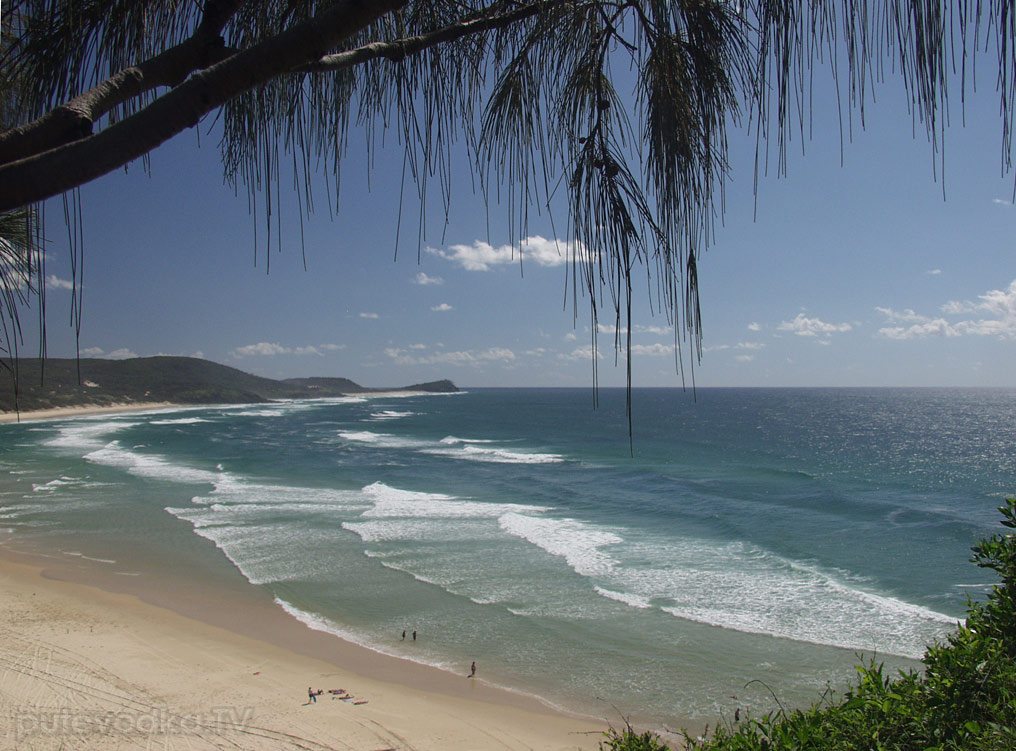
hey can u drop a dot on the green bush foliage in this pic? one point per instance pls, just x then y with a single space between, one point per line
965 699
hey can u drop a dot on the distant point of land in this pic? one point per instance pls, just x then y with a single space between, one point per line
89 382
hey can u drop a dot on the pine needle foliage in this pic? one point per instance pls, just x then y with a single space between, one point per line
616 110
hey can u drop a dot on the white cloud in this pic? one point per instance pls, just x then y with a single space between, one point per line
369 315
121 354
998 307
117 354
804 326
267 349
466 357
753 326
482 256
443 307
749 345
271 349
570 336
55 282
1001 202
933 272
612 328
426 280
581 353
653 350
744 358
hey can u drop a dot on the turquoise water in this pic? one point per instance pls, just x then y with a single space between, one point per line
769 534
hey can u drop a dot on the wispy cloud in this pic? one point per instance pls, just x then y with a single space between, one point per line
581 353
1001 202
463 357
426 280
123 353
653 350
55 282
482 256
754 326
996 307
371 316
804 326
933 272
612 329
443 307
272 349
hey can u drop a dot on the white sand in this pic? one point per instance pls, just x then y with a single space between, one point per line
90 409
83 668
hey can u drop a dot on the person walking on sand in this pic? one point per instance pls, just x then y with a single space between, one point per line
472 669
311 696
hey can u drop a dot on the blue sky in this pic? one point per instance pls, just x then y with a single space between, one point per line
852 275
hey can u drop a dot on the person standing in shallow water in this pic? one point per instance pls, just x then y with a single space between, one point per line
414 636
472 669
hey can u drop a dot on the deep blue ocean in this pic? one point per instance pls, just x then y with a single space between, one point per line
748 543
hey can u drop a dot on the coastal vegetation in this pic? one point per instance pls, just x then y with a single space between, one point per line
964 699
58 383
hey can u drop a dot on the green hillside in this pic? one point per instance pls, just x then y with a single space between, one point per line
180 380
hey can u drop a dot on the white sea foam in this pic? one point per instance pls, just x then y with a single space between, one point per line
452 447
739 587
384 440
577 542
149 465
87 435
328 626
77 554
268 531
394 502
66 482
475 453
636 601
238 492
179 421
389 414
263 553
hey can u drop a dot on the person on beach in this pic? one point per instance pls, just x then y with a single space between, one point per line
403 634
311 696
414 636
472 669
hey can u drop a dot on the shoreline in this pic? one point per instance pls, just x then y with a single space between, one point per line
256 666
86 409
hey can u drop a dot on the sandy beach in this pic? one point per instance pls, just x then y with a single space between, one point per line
46 414
85 668
93 662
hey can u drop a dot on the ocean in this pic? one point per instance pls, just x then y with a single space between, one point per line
748 547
